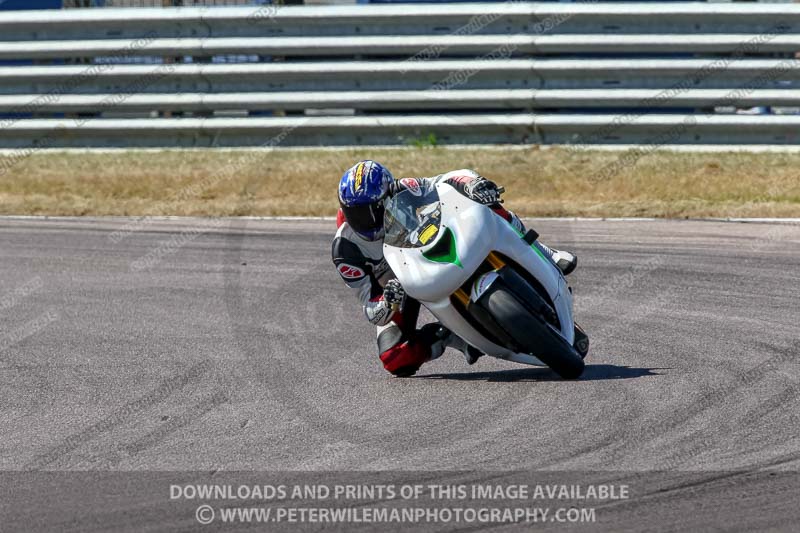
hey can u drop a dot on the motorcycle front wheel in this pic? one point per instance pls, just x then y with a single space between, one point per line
530 333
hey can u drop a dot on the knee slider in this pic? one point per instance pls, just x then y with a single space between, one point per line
404 359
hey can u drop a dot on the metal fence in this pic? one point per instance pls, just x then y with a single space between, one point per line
513 72
71 4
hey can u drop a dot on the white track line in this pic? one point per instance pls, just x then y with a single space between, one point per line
157 218
331 219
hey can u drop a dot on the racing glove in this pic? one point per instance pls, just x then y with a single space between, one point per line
483 191
394 294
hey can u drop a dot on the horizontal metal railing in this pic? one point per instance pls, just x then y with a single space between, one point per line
650 129
400 75
512 72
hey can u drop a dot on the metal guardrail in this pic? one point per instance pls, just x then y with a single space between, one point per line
402 45
650 130
432 19
400 100
399 75
645 73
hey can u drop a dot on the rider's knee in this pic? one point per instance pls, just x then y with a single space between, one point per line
405 358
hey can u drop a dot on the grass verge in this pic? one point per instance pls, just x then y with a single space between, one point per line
552 182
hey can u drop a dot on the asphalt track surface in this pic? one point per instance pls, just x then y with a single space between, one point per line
200 345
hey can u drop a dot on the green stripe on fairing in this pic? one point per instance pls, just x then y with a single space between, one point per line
539 252
533 245
451 256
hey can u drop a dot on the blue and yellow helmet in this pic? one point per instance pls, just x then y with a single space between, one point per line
362 190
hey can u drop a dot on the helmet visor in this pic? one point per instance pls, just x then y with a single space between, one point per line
364 219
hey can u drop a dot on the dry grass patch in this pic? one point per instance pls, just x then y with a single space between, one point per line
553 182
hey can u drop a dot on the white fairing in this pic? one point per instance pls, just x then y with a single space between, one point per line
477 231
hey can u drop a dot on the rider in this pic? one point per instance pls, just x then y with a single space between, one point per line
358 256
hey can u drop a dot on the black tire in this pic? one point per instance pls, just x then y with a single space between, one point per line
532 334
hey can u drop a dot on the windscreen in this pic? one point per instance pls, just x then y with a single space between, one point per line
412 221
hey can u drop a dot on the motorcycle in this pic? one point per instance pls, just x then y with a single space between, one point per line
481 278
